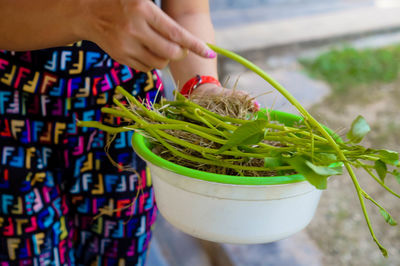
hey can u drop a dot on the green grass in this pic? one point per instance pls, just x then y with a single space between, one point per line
348 67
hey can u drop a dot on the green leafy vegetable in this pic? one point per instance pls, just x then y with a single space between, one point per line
272 162
247 134
327 157
387 217
302 166
359 129
389 157
381 169
396 174
324 170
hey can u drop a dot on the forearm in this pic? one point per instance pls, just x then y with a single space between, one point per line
200 25
37 24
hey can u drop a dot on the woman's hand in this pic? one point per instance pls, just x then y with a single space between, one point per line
134 32
138 33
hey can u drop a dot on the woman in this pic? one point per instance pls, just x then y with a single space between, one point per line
54 177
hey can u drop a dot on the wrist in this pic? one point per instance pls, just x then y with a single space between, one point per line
194 83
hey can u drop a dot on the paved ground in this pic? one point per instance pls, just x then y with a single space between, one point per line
309 29
233 13
282 65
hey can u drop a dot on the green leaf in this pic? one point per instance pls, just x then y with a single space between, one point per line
271 162
247 134
381 169
300 165
359 128
387 217
383 250
389 157
326 157
324 170
396 174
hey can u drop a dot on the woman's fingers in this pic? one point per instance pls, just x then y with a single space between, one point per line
137 64
152 59
139 34
142 59
172 31
161 46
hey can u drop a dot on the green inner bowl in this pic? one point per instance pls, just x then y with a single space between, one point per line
142 148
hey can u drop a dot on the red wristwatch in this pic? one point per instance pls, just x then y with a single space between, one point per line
196 81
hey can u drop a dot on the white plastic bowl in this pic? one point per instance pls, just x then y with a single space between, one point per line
237 214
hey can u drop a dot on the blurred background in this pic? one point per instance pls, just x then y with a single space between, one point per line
340 59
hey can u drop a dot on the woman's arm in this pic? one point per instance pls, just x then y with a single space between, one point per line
30 25
133 32
195 17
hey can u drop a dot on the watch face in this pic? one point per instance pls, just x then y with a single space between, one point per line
199 81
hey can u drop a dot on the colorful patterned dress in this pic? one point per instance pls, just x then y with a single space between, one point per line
55 177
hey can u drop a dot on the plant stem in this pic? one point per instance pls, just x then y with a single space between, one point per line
188 129
111 130
210 125
200 160
203 150
371 230
365 167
